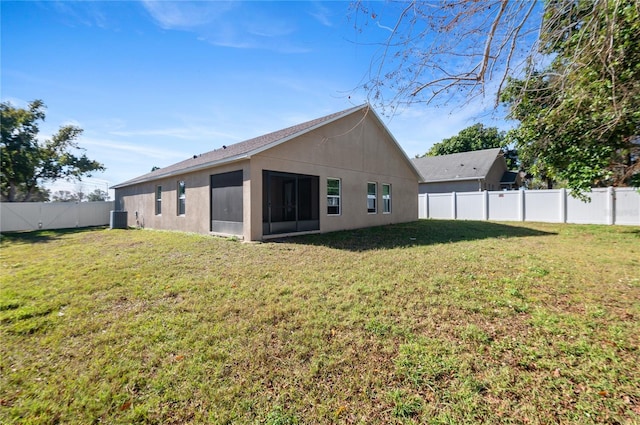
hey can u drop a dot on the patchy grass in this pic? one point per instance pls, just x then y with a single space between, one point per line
429 322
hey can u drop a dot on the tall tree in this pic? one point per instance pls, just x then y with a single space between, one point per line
567 69
434 52
98 195
27 162
67 196
580 115
474 138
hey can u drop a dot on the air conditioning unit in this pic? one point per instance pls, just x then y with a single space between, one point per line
118 220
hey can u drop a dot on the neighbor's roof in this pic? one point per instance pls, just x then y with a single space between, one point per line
239 151
458 166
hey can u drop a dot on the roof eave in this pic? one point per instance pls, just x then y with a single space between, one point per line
249 154
240 157
454 179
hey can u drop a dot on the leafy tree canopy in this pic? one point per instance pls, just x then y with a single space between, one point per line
474 138
98 195
67 196
40 194
27 162
568 71
580 116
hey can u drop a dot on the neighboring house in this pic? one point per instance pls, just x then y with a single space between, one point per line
466 172
341 171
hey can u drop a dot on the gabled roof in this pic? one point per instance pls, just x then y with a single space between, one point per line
242 150
458 166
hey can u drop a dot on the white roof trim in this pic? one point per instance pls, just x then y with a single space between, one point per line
460 179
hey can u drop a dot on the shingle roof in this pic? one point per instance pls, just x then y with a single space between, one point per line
239 151
457 166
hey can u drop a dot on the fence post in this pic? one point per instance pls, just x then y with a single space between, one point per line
454 206
77 211
40 215
426 207
563 205
521 205
485 206
611 205
423 211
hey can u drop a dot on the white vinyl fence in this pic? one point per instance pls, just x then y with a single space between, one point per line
607 206
17 216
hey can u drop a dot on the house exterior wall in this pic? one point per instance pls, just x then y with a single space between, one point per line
140 200
352 149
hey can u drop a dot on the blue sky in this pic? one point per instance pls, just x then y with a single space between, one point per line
152 83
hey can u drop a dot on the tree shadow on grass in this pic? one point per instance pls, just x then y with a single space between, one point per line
43 236
417 233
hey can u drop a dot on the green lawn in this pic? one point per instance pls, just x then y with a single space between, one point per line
435 322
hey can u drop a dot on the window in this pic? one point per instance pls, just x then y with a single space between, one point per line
181 198
333 196
386 198
372 194
158 200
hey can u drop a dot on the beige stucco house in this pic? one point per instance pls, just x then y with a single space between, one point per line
466 172
341 171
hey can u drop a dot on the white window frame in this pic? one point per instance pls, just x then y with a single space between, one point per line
182 198
159 200
334 200
386 199
372 197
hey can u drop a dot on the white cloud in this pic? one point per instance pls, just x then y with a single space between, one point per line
321 14
183 133
125 160
16 102
85 13
268 26
72 122
123 150
227 24
186 15
419 127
